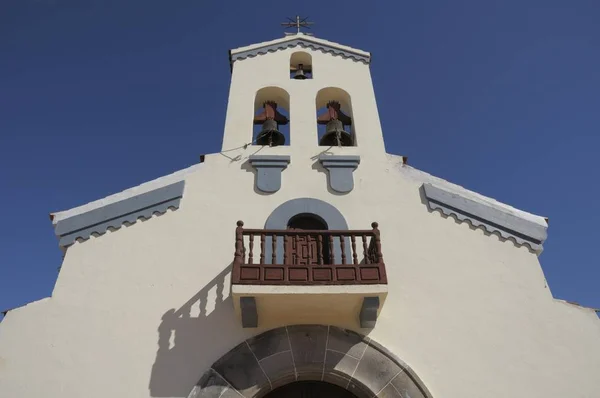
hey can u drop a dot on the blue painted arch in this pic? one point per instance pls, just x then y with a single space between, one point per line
280 217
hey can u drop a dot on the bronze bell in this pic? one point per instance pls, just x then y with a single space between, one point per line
335 135
335 120
270 119
299 74
300 71
269 135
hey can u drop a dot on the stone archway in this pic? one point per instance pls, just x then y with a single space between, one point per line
288 354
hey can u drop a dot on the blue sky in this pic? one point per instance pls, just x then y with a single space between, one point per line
501 97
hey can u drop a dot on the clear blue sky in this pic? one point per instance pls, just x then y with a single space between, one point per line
502 97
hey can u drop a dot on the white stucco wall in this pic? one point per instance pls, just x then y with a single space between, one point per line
137 312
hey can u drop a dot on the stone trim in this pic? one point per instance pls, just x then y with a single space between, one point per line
114 215
340 171
268 171
273 47
331 354
492 219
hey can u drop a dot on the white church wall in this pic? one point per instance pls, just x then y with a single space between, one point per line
143 311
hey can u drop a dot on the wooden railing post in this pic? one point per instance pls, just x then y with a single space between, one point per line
274 249
375 226
238 259
251 248
354 256
331 253
365 249
239 243
343 248
262 248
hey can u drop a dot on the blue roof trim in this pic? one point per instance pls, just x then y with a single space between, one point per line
116 214
494 220
300 43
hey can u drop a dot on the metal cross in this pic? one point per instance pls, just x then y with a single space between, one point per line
297 23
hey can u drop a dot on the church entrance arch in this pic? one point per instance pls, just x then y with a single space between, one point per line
355 364
310 389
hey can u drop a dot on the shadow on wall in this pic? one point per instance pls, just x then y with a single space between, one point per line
190 335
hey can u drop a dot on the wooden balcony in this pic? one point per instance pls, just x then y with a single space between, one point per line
308 257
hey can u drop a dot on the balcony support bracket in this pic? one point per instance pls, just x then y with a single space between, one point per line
368 312
249 312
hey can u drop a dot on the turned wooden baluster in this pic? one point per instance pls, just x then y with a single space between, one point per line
320 249
251 246
343 247
354 256
274 249
262 248
375 226
331 254
365 249
239 243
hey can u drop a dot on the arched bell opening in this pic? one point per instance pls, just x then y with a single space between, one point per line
334 118
310 389
271 117
301 67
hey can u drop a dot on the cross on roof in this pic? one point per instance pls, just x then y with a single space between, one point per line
297 23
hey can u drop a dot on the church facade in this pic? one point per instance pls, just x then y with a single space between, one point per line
301 260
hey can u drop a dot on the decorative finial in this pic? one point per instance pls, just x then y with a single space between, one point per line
297 23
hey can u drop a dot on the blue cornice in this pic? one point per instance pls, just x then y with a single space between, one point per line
114 215
300 43
492 219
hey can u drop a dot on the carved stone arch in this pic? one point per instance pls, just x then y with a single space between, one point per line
309 352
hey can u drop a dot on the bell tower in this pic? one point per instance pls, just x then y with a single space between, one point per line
300 93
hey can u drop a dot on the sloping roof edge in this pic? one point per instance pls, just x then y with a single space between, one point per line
126 207
492 219
521 227
298 40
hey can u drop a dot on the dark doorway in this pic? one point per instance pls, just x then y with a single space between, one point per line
307 249
306 221
310 389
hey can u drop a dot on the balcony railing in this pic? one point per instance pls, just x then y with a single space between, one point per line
307 257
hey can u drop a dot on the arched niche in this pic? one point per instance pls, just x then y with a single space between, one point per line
301 60
282 98
281 216
327 94
289 354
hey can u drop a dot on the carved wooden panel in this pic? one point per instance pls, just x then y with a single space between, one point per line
311 274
